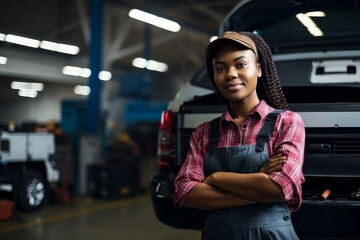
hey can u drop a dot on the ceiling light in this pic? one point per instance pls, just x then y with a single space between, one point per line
82 90
85 73
29 42
72 71
69 49
52 46
315 31
150 65
27 86
31 93
309 23
59 47
154 20
157 66
139 62
213 38
3 60
305 20
105 75
316 14
76 71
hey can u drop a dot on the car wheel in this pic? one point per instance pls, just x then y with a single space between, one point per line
32 191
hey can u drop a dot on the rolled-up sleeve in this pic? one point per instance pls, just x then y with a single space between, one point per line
191 172
291 143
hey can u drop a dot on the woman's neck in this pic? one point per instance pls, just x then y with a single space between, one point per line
240 110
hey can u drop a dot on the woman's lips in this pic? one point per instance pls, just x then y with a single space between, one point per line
234 86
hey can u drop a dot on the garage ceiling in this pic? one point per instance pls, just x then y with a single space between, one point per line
67 21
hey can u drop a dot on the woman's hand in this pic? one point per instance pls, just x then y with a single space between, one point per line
274 164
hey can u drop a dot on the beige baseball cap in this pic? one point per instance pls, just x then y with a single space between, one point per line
232 36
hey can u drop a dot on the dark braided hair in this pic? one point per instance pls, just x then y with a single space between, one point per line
268 87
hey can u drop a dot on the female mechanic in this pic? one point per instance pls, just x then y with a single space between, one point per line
245 166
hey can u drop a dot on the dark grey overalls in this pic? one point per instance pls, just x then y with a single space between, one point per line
256 221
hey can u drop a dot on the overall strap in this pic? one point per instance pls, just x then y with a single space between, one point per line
266 130
214 134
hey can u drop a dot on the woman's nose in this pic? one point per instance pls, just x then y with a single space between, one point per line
231 73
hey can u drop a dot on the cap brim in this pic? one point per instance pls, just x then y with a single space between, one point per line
212 48
230 37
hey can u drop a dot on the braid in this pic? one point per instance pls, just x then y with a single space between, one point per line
269 88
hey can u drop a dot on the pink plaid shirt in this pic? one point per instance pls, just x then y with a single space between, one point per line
288 138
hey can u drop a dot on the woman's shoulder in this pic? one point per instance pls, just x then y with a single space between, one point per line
204 128
291 117
200 129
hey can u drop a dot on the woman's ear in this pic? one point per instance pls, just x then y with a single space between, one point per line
258 66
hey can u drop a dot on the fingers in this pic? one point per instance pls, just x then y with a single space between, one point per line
275 163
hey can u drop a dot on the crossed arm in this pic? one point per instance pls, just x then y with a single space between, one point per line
228 189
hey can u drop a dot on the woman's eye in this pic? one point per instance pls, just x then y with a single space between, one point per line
241 65
219 69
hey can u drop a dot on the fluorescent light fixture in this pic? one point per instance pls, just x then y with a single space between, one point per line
82 90
27 86
72 71
24 41
213 38
3 60
76 71
315 31
29 42
309 23
154 20
27 89
157 66
69 49
316 14
305 20
31 93
85 73
150 65
139 62
59 47
105 75
52 46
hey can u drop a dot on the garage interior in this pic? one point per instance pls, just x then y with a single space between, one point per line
83 86
105 139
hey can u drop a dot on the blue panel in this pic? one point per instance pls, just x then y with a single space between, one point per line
141 111
134 86
73 116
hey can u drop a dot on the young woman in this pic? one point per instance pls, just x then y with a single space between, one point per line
246 166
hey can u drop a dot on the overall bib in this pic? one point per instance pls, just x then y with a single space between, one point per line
256 221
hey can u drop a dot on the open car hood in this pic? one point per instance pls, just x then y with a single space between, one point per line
278 23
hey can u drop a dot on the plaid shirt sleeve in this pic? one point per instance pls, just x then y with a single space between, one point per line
290 141
191 172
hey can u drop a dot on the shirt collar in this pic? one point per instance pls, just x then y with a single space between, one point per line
261 110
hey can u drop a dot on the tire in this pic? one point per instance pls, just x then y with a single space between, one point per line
32 191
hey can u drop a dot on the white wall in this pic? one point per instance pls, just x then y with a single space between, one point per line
45 107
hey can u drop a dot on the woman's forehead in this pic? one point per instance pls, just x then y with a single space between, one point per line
234 51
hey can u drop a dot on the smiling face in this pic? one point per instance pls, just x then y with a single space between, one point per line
235 72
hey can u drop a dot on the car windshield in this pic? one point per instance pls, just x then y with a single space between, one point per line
314 42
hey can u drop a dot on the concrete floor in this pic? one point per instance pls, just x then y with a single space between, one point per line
126 219
88 219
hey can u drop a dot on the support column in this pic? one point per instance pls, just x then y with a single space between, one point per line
93 103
